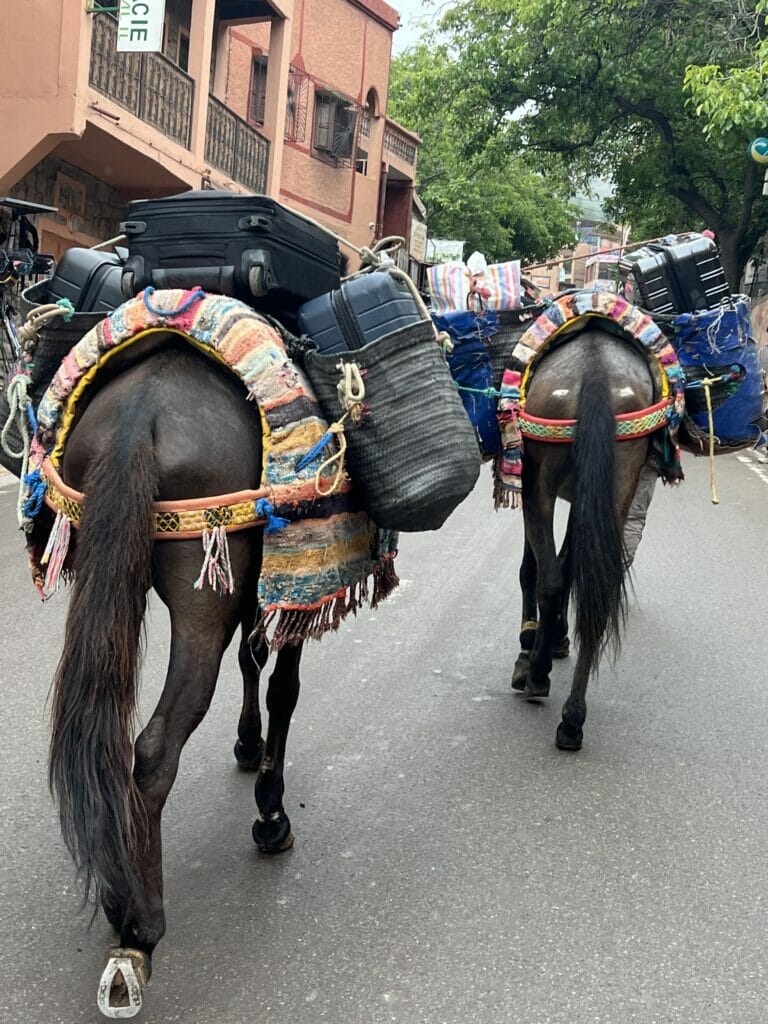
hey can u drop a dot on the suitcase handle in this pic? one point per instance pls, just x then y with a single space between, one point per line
210 279
255 222
133 227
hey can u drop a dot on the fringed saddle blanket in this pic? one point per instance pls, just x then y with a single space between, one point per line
320 550
570 314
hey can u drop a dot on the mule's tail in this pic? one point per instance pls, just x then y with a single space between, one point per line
597 548
94 689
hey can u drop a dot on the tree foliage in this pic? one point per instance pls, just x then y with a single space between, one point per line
599 85
488 197
735 97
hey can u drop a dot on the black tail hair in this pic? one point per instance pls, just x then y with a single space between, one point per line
94 689
596 543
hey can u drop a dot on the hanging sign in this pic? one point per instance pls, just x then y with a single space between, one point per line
140 25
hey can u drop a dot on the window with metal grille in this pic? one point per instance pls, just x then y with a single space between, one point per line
258 90
335 127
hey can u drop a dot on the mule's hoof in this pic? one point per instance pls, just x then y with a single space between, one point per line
520 671
569 737
122 983
273 835
561 648
246 759
536 689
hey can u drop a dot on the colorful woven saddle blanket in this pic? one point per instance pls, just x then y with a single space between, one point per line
323 556
565 318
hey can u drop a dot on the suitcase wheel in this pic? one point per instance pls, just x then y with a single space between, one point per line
128 284
257 282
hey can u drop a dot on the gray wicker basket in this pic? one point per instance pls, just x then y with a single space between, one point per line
54 341
513 323
414 454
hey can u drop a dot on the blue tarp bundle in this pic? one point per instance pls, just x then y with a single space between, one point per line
710 343
470 366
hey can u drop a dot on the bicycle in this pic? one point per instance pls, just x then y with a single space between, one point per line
20 259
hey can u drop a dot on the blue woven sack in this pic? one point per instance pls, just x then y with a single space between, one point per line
712 343
471 368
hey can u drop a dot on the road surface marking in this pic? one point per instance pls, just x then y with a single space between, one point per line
761 471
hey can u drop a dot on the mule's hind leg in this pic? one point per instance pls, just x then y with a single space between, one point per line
570 731
249 748
538 512
272 829
202 626
562 644
530 617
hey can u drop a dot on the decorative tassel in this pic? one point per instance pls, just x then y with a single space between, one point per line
56 552
265 508
216 568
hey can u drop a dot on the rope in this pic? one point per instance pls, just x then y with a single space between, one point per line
38 317
194 296
20 406
335 429
707 384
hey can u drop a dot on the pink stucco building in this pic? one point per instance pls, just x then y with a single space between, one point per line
286 97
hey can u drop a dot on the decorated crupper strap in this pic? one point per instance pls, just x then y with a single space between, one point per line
323 556
568 314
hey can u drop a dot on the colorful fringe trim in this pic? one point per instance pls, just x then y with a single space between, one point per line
562 316
319 552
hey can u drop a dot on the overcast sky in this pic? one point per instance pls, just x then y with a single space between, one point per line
410 12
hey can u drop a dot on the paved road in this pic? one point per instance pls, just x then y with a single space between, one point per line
451 866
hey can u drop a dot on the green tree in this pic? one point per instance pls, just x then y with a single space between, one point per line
735 97
599 85
487 197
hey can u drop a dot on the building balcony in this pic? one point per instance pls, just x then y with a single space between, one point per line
149 85
400 144
236 148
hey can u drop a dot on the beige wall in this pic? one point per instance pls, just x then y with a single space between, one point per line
341 45
341 48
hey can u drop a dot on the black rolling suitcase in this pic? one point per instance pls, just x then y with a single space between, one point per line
90 279
246 246
362 310
647 281
683 275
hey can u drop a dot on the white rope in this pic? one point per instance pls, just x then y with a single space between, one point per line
18 402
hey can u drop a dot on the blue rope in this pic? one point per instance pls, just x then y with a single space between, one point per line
32 418
195 297
265 508
488 392
35 494
313 452
70 309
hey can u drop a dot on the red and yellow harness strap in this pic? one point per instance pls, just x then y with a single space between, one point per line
184 519
629 425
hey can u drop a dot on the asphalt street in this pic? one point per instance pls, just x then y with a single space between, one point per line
451 866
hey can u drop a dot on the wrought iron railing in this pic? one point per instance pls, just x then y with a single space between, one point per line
148 84
399 144
235 147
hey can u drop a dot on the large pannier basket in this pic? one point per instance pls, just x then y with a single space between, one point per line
413 453
54 341
513 323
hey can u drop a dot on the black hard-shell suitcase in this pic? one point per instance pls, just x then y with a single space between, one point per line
647 281
680 276
698 272
90 279
246 246
362 310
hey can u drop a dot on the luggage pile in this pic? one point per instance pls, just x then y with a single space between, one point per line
484 309
366 344
680 282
